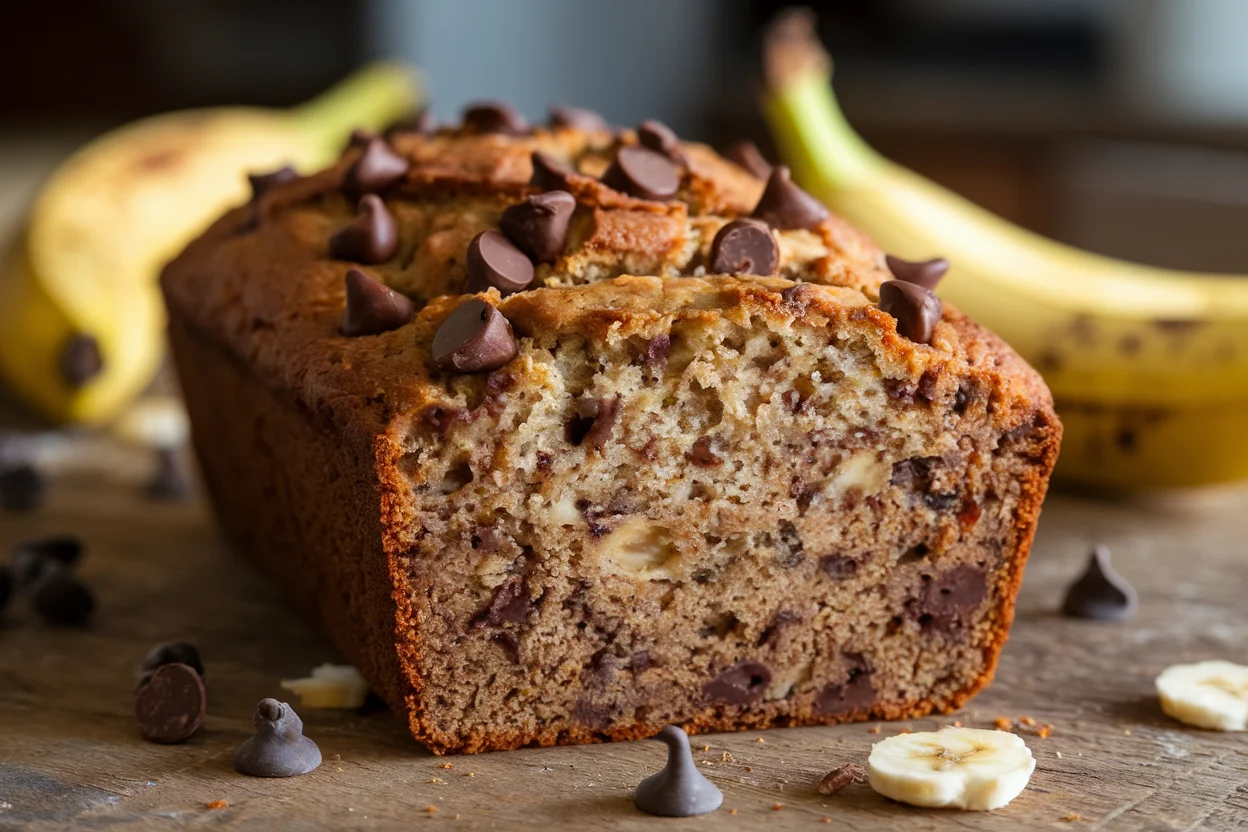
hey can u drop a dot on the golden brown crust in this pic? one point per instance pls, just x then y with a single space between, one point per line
261 288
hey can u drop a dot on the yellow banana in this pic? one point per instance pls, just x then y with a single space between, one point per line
1149 367
107 220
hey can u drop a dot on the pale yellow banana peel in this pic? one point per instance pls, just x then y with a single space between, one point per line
1149 367
108 219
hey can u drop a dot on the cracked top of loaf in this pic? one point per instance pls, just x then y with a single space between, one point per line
268 279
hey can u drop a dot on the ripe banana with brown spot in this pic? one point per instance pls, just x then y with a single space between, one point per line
1149 367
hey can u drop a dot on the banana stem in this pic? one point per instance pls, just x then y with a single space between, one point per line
370 98
812 133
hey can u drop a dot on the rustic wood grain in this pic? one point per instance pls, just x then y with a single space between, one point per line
69 750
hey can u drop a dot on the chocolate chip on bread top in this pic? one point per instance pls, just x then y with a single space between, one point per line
565 434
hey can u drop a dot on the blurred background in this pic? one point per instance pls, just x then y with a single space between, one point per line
1116 125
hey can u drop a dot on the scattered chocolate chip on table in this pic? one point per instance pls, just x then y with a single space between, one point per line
679 790
278 748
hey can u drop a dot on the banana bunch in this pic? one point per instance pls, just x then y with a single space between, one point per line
1149 367
81 318
963 768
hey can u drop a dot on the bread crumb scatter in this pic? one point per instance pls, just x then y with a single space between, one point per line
1072 817
431 808
874 729
825 820
732 811
776 807
448 765
1003 723
216 804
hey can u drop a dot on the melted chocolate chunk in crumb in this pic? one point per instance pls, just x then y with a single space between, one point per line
916 309
857 693
745 247
947 600
741 684
643 173
539 225
371 238
373 308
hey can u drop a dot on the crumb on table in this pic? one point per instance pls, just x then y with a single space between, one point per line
216 804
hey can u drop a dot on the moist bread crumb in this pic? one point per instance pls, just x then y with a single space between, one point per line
720 501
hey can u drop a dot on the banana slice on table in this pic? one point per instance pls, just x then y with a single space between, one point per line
964 768
1211 694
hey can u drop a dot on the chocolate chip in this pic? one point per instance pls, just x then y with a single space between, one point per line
594 421
171 481
1100 593
539 225
916 309
170 706
838 567
783 205
745 247
855 694
21 488
173 652
80 360
31 556
747 155
494 117
371 237
577 118
494 261
946 602
549 173
509 645
741 684
679 790
60 598
702 454
789 552
422 124
839 778
378 168
509 605
657 350
643 173
261 183
660 138
372 307
925 273
278 748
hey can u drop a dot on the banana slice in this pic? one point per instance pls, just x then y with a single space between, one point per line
1211 694
965 768
330 686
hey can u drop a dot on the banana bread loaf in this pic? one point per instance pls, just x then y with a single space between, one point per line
564 434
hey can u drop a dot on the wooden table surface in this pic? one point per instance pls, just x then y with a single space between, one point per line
69 750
